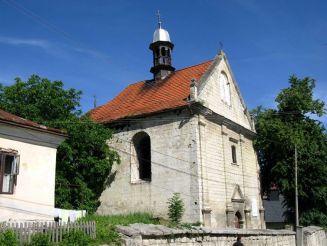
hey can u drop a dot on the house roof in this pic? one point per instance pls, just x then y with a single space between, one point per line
151 96
274 210
12 119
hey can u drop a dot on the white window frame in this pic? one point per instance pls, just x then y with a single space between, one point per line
8 180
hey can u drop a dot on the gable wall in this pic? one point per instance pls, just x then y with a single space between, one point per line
209 94
174 153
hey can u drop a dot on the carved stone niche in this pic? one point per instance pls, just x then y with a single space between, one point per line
235 210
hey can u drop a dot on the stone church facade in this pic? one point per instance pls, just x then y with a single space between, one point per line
185 131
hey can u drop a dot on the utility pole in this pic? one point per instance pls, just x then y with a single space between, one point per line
296 192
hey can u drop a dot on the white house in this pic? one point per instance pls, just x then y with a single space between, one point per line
185 131
27 168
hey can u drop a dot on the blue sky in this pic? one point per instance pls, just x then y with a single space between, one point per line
100 46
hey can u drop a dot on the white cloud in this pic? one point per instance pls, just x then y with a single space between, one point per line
55 49
92 53
44 44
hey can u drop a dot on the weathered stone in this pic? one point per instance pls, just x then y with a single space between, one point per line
128 231
141 234
191 154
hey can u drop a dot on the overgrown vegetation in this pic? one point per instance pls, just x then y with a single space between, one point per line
175 209
40 239
76 238
279 131
8 238
84 160
105 225
105 231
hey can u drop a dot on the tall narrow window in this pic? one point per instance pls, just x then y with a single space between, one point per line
142 145
234 159
9 167
224 86
163 51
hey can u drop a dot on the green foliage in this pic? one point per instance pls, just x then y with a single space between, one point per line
175 208
278 132
40 100
314 217
105 225
76 238
40 239
84 160
8 238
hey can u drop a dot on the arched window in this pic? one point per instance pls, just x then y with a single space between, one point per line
224 88
163 51
142 146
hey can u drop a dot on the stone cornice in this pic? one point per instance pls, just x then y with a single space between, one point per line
198 108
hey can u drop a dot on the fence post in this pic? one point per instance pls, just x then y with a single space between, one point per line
299 236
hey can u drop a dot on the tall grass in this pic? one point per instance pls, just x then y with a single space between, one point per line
105 225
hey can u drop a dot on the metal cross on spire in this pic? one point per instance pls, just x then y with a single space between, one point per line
159 19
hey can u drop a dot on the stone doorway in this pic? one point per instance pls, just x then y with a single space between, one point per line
238 223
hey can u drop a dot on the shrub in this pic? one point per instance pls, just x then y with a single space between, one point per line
8 238
40 239
75 238
175 208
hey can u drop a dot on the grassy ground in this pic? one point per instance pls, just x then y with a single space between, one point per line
105 225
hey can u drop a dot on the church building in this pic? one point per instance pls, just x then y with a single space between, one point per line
186 131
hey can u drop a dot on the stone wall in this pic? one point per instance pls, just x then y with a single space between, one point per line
141 234
314 236
229 187
174 168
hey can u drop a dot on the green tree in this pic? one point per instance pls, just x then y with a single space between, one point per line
278 132
40 100
84 163
84 160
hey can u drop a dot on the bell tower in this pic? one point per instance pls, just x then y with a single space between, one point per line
161 47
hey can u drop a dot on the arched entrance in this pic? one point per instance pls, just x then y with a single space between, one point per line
238 220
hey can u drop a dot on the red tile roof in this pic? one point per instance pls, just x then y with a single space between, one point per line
9 118
148 97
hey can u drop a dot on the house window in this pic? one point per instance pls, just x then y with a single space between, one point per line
142 146
224 89
234 159
9 168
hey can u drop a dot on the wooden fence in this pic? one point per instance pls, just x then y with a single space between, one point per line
55 230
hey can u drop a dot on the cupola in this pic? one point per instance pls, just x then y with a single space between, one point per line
161 47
